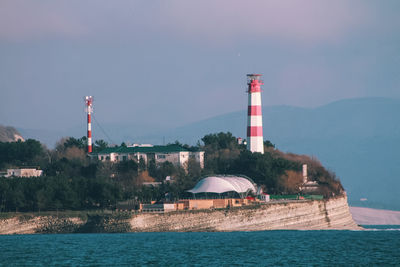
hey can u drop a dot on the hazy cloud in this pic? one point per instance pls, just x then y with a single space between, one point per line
180 61
207 21
301 21
22 20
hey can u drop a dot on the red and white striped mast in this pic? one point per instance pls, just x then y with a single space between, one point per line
255 141
89 111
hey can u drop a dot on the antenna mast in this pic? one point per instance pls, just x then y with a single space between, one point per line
89 111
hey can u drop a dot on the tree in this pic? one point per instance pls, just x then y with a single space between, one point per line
183 182
264 169
177 143
15 196
220 151
164 170
291 182
76 153
28 153
142 164
268 144
74 142
71 149
4 188
65 167
193 168
127 166
152 168
100 145
220 141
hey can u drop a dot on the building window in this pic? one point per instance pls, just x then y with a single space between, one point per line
101 158
160 156
124 158
107 158
116 157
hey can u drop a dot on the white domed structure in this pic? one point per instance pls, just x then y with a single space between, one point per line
222 184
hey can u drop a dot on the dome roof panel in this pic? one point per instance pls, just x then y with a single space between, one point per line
222 184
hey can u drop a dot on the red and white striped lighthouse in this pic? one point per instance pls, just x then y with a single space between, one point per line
89 110
255 142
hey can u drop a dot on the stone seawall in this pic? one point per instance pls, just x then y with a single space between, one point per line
39 224
301 215
305 215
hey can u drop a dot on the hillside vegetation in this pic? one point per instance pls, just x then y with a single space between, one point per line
72 181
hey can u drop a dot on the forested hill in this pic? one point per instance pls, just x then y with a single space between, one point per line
9 134
72 181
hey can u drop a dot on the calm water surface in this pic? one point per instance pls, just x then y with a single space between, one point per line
269 248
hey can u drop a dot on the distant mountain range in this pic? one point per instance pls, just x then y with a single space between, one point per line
359 139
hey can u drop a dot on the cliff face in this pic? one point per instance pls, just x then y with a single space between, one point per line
9 134
308 215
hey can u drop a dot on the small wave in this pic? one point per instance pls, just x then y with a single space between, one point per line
389 229
381 227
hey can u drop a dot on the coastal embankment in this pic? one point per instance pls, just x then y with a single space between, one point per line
300 215
291 215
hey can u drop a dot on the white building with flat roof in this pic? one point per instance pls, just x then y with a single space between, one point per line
24 172
175 154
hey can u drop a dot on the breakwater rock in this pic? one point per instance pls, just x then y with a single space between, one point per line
106 223
301 215
39 224
89 223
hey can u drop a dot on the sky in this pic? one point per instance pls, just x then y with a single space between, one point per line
168 63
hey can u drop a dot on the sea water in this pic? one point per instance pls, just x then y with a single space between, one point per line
266 248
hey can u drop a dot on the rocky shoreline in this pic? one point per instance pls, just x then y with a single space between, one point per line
328 214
